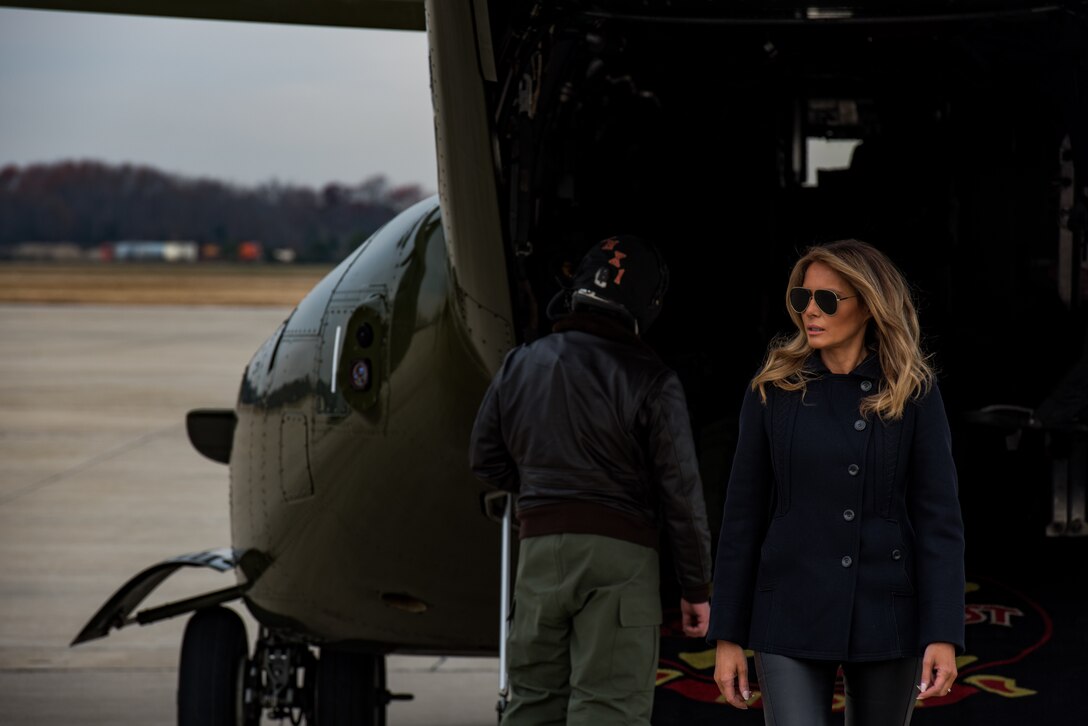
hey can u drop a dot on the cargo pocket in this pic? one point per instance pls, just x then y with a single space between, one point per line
635 650
525 644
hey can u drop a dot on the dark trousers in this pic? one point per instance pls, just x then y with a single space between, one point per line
799 692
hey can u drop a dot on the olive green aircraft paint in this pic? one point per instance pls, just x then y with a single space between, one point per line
359 492
466 173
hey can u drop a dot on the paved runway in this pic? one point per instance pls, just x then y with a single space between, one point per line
98 480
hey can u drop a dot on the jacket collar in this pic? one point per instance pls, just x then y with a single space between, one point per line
600 325
868 368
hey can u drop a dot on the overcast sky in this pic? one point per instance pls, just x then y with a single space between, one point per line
240 102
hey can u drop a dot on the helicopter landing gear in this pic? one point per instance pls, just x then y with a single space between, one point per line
219 685
211 675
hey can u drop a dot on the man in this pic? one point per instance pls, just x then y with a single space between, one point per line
591 429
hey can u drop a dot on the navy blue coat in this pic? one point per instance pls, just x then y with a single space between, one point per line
842 537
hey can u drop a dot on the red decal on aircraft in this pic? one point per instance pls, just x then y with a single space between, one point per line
609 244
619 276
615 261
959 692
976 613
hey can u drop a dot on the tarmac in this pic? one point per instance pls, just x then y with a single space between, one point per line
98 481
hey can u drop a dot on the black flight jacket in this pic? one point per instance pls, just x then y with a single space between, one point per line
591 429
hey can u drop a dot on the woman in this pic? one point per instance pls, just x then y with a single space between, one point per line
842 542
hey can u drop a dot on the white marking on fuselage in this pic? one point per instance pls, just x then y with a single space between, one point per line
335 357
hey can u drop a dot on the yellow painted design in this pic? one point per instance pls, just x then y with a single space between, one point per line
664 675
999 685
838 702
749 653
971 587
963 660
704 659
699 661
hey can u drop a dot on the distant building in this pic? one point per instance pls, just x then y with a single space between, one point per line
47 252
154 251
210 251
284 254
250 251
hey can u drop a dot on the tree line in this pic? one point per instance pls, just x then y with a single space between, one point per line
90 203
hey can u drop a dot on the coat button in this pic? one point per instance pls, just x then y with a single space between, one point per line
848 515
866 386
847 561
896 554
859 425
853 469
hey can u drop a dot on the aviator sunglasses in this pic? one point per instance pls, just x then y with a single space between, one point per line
826 300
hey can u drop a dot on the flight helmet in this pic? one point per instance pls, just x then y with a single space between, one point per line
622 275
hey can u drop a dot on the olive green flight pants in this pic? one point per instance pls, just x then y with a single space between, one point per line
583 644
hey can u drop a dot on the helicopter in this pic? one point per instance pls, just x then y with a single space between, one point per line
357 528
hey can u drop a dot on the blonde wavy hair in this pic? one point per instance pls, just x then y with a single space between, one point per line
892 330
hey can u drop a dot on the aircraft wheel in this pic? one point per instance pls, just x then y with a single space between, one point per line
350 689
213 661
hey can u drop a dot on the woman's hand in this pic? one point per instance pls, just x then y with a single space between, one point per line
731 673
938 670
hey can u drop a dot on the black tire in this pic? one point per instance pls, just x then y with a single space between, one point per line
350 689
213 658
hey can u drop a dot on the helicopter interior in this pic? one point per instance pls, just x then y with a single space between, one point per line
959 149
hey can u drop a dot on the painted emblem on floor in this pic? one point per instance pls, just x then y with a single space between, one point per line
1003 628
